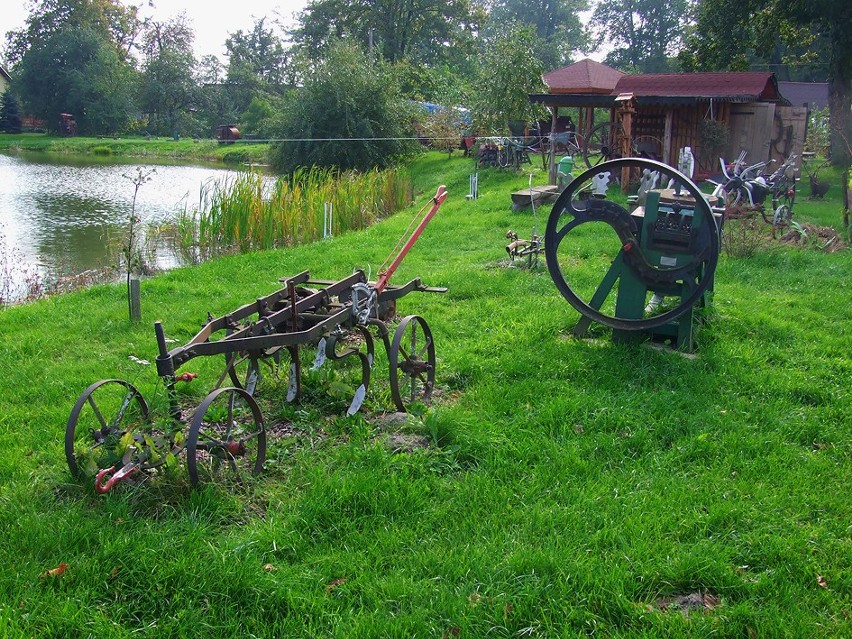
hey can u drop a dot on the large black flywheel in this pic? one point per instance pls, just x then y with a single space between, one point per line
594 245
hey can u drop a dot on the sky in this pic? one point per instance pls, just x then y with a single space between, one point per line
212 21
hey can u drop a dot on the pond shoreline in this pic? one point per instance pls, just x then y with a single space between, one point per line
207 150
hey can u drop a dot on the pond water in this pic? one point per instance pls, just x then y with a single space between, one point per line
61 216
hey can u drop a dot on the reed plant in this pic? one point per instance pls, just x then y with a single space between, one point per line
249 212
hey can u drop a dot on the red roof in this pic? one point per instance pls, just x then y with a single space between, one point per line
585 76
745 86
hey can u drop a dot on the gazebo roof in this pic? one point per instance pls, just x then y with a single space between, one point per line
585 76
749 86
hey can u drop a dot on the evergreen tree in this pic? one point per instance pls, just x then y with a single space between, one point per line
10 114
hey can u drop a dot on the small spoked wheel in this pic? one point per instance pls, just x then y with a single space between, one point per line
412 363
227 437
104 428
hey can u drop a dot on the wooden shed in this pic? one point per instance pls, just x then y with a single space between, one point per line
672 107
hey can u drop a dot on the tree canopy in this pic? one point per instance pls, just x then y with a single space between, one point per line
644 35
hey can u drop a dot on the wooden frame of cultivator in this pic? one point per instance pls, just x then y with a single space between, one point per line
111 425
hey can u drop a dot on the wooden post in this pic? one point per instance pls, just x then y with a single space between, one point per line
552 170
627 108
135 300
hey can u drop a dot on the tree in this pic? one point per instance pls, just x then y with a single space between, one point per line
644 34
728 33
509 72
347 115
426 31
76 71
168 88
73 56
110 19
557 24
258 63
10 113
216 105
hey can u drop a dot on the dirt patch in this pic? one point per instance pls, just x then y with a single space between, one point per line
808 235
693 602
405 442
281 429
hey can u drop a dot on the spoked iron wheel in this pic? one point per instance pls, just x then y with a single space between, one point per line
580 229
412 363
96 436
227 437
246 370
603 144
345 348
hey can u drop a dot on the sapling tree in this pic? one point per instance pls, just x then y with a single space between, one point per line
129 251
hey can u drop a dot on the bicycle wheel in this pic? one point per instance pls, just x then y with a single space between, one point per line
603 144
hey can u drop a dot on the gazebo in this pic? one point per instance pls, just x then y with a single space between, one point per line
671 107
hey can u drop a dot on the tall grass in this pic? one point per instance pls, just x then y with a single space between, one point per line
248 213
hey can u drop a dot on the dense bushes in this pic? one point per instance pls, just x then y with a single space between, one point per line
348 114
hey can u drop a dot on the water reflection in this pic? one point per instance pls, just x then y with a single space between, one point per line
64 215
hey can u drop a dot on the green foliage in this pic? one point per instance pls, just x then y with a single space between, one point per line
818 134
713 137
111 20
444 129
247 214
77 71
558 29
258 119
508 72
258 65
348 115
167 87
643 35
428 32
10 113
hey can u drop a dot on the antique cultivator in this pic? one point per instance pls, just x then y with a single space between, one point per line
660 259
111 425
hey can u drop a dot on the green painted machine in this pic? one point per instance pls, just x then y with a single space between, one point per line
660 263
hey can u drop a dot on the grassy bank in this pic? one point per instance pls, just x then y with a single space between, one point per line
568 488
184 149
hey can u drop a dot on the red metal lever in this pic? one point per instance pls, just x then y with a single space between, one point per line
384 277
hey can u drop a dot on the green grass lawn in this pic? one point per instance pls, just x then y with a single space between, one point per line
570 488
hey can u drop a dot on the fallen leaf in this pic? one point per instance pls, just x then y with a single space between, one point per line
822 582
474 598
507 610
269 567
54 572
334 584
455 631
578 428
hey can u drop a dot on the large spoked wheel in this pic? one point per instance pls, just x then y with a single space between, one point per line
227 437
412 363
580 229
106 427
603 144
